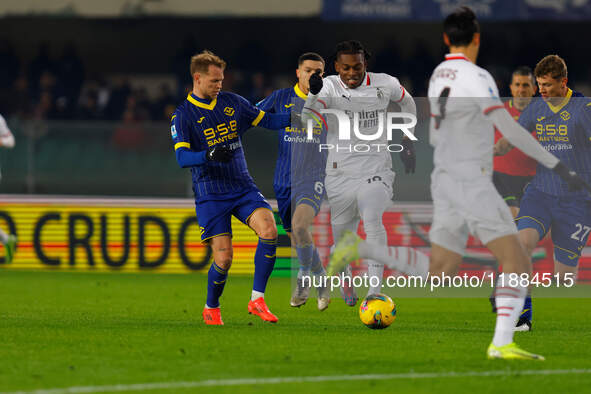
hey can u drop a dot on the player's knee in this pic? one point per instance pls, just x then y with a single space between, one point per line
223 257
372 218
565 273
224 262
528 238
268 232
440 265
300 232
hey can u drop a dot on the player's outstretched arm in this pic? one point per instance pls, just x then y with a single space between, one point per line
502 147
520 138
188 158
6 137
525 142
275 121
408 155
313 103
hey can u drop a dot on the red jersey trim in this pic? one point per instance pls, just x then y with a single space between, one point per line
490 109
456 56
403 93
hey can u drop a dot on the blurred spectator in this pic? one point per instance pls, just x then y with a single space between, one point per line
20 98
165 99
256 90
181 61
89 108
10 65
40 64
118 99
129 134
141 103
70 73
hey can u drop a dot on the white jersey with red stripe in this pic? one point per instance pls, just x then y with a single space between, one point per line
370 100
460 131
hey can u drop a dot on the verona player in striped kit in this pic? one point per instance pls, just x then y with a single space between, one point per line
299 178
561 119
359 183
206 130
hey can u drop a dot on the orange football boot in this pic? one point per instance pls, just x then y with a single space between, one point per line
259 308
212 316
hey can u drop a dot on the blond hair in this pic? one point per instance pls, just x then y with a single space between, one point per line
200 62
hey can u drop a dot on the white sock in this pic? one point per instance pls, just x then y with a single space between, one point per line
209 307
407 260
256 294
509 301
375 268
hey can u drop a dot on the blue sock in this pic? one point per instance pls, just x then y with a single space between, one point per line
306 256
216 279
527 308
317 268
264 261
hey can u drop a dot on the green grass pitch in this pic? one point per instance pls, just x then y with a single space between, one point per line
60 329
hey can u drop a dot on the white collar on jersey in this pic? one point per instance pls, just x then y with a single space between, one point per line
456 56
365 77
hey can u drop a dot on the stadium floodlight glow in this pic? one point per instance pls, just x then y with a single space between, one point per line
344 125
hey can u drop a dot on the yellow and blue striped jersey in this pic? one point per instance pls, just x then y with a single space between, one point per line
199 124
299 159
565 131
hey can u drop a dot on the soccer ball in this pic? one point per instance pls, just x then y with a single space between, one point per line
377 311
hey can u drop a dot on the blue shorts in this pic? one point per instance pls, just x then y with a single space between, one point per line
288 198
214 216
569 220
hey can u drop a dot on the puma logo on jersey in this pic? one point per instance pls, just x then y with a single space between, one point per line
288 105
201 119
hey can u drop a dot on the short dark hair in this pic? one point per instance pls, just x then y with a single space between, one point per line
523 71
460 26
310 56
553 65
350 47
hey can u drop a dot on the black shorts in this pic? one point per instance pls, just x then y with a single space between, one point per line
511 187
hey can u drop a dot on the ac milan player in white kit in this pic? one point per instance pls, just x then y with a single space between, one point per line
8 240
359 173
465 107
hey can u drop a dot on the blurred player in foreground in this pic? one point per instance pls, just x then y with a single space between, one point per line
8 240
561 119
464 198
299 178
359 183
513 170
206 129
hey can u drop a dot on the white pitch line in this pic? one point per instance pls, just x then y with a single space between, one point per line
298 379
